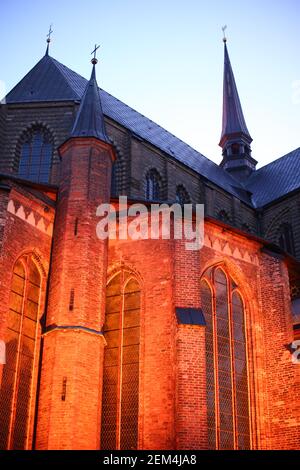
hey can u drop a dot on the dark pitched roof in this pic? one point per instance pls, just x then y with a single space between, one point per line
45 82
89 121
233 118
276 179
51 81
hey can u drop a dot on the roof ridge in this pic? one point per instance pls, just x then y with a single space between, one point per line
131 119
276 160
25 76
55 62
151 120
158 125
235 183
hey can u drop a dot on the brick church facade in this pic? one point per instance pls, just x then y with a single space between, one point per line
142 344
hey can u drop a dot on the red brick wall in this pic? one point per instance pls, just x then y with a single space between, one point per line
190 353
79 265
172 404
153 263
281 375
191 413
20 236
182 423
73 423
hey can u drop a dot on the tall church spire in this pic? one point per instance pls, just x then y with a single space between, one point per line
235 138
89 120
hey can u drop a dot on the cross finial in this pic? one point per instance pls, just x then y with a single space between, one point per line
94 59
49 38
49 33
224 36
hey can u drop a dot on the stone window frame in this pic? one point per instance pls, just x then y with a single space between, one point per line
126 276
153 176
182 195
208 278
26 137
25 259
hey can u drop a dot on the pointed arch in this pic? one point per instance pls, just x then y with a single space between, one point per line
119 171
153 185
22 338
34 153
282 216
182 195
120 404
229 421
224 216
285 238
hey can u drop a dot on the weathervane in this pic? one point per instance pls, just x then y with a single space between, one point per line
224 36
49 38
94 59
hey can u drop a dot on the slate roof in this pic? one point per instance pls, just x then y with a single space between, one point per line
50 80
233 119
275 179
89 121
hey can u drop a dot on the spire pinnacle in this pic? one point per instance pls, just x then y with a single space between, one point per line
89 121
49 39
233 117
224 36
235 138
94 59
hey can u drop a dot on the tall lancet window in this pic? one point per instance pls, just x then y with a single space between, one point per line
153 185
226 362
17 395
182 196
286 239
120 402
35 155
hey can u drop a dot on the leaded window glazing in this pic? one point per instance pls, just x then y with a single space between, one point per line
228 417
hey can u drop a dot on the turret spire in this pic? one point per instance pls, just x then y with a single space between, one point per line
90 121
235 138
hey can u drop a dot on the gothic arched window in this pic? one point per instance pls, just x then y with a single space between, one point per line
120 403
223 215
286 239
36 155
16 394
118 175
182 196
153 185
246 228
226 362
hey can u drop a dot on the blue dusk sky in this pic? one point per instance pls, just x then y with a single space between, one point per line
164 58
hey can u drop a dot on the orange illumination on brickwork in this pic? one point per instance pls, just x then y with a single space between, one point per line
226 362
17 391
120 403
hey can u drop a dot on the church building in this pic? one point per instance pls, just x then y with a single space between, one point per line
123 343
